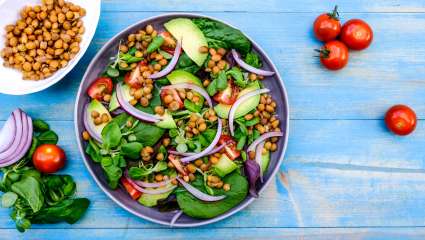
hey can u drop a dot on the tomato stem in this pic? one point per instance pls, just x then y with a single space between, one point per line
324 53
334 14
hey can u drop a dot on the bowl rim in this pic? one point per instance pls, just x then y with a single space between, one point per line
61 73
249 199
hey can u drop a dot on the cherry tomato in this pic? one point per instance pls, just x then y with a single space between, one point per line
227 96
356 34
134 193
327 26
132 78
48 158
100 87
230 147
334 55
168 39
174 93
401 120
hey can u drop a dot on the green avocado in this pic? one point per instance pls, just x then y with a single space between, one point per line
181 76
167 121
113 104
97 106
151 200
191 36
265 161
223 110
224 166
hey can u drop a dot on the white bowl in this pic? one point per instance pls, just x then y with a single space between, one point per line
11 81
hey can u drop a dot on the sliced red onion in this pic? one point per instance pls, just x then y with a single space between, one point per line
117 112
262 138
89 126
177 164
191 87
248 67
239 102
154 184
17 138
198 194
170 65
216 149
258 153
175 217
126 106
207 150
7 133
149 191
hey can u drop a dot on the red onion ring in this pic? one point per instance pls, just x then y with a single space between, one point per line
239 102
209 148
17 139
248 67
198 194
88 125
191 87
170 65
149 191
7 133
258 153
175 217
126 106
262 138
216 149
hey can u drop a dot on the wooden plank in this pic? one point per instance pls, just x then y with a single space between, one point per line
265 6
391 71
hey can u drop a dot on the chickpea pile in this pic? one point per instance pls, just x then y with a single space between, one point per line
143 95
216 63
99 118
195 126
44 39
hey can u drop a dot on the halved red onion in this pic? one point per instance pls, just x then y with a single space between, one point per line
17 138
248 67
175 217
216 149
258 153
191 87
89 126
23 145
7 133
198 194
126 106
262 138
150 191
239 102
209 148
170 65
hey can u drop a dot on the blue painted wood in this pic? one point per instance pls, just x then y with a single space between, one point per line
344 175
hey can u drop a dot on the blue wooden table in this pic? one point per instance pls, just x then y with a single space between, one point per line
344 174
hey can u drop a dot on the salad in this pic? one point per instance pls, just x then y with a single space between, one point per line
181 120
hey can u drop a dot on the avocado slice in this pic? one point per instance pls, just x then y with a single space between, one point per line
181 76
97 106
265 161
224 166
191 36
151 200
167 121
223 110
113 104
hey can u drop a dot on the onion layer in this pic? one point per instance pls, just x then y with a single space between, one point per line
126 106
175 217
198 194
191 87
262 138
7 133
216 149
172 63
258 153
209 148
17 138
149 191
239 102
88 125
248 67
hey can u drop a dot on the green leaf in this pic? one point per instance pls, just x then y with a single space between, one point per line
30 190
132 51
131 150
212 88
191 106
93 151
181 148
138 173
8 199
253 59
112 72
70 211
237 75
48 137
148 134
252 122
112 171
40 125
155 44
111 135
241 143
221 81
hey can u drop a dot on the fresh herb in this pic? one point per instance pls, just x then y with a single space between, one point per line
111 135
48 137
191 106
40 125
186 64
140 172
131 150
253 59
111 168
155 44
112 72
237 76
221 81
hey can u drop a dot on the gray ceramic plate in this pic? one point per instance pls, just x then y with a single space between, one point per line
97 66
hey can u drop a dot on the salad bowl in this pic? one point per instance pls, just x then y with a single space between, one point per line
120 196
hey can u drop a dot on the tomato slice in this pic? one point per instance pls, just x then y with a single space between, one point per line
134 193
168 38
177 164
227 96
175 95
100 87
132 78
230 147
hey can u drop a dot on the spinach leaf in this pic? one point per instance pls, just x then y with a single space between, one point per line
212 88
8 199
138 173
58 187
221 81
29 189
191 106
70 211
112 72
93 151
131 150
111 135
253 59
112 171
186 64
155 44
147 134
220 35
40 125
209 134
196 208
237 75
48 137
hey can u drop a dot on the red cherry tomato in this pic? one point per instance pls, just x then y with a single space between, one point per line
48 158
334 55
327 26
167 40
356 34
100 87
230 147
227 96
132 78
134 193
401 120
